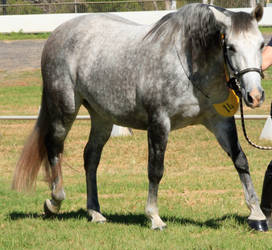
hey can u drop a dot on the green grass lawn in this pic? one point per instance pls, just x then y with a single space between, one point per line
23 36
200 196
265 29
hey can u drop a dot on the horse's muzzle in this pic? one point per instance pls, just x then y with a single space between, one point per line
254 98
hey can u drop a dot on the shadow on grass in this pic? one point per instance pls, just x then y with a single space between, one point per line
128 219
79 214
133 219
142 220
137 219
214 223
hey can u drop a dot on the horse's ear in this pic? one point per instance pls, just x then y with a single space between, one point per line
221 15
257 13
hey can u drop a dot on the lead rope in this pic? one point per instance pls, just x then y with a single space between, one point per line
244 128
234 84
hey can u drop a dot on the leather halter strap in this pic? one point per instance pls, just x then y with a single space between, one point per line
234 80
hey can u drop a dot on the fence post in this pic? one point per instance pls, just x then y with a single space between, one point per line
75 6
4 2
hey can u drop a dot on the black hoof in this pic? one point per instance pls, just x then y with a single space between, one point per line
258 225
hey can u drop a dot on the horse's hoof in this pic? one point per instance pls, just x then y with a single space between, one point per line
50 208
258 225
96 216
160 227
157 223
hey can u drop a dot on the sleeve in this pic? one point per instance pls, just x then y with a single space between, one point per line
270 43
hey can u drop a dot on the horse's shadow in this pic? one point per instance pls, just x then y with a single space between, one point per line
132 219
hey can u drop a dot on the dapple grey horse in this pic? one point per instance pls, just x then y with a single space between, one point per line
156 78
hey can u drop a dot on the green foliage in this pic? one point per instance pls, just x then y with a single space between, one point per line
67 6
87 6
111 6
25 8
232 3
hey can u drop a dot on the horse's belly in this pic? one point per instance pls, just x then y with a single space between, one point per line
121 108
188 116
182 123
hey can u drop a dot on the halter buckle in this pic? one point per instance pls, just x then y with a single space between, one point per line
233 83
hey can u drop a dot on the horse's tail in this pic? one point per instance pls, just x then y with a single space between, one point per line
33 154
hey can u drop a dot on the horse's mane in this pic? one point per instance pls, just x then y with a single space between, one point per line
196 23
197 26
197 31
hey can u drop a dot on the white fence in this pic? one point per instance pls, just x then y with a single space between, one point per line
48 22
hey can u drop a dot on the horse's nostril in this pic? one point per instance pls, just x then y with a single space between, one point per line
249 98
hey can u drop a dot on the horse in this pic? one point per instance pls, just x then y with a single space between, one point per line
157 78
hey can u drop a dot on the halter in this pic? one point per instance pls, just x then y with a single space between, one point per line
234 83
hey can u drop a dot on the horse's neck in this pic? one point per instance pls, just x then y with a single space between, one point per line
209 73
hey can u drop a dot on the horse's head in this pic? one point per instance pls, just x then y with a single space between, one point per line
242 45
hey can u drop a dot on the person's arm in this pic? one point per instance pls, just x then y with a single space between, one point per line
267 56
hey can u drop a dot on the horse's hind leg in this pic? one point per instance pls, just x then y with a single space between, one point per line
54 141
99 135
226 134
61 112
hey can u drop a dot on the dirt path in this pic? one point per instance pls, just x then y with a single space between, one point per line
20 55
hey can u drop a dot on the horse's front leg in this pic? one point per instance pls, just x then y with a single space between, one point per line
157 140
100 133
225 131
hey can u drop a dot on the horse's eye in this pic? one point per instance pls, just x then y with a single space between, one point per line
262 46
231 48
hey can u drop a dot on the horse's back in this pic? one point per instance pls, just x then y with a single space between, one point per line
76 33
92 53
77 42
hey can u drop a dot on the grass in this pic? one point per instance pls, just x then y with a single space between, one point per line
266 29
200 196
23 36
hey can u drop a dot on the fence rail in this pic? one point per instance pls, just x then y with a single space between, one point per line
84 6
81 7
35 117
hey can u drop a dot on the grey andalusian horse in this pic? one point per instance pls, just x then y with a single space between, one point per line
156 78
